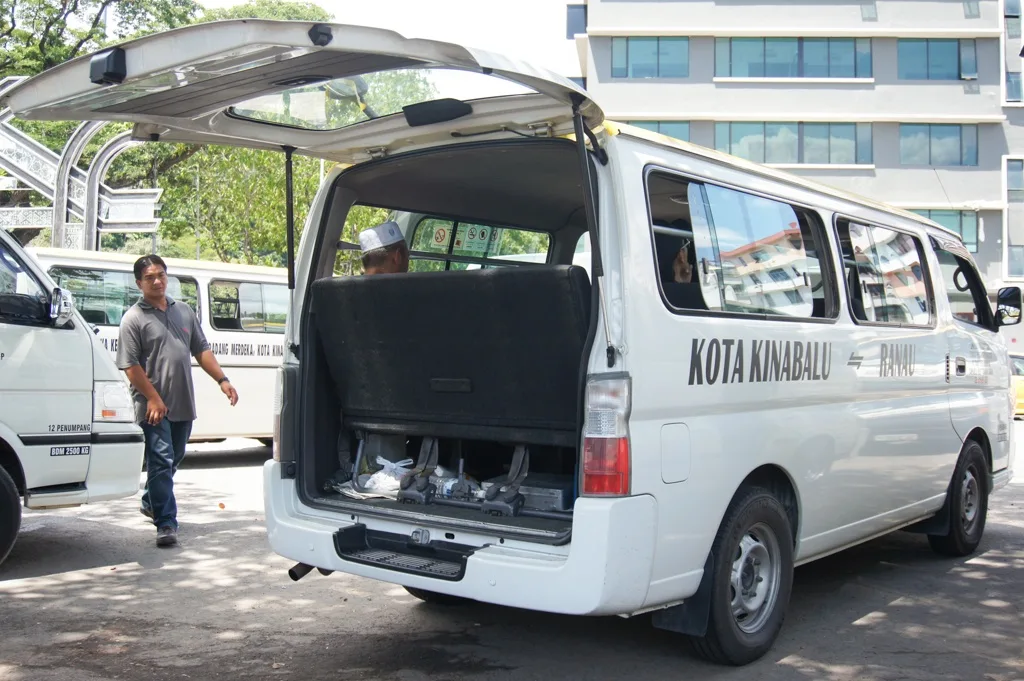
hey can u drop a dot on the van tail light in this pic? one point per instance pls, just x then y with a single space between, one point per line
606 456
278 404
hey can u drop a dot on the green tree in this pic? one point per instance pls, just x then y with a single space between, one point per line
269 9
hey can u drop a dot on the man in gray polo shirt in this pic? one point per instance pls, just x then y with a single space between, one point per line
157 339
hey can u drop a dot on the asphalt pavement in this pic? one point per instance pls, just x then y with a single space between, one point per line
86 595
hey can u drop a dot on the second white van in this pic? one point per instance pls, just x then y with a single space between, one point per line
67 426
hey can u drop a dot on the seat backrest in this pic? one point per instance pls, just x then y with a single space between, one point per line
486 354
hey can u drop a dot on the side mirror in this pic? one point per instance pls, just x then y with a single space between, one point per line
61 307
1008 306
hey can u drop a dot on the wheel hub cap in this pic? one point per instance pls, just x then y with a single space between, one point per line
969 498
755 578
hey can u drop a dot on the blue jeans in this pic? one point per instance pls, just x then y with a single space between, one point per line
165 448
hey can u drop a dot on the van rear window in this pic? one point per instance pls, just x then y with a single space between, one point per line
436 239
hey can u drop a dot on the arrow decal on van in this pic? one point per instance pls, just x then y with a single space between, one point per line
855 360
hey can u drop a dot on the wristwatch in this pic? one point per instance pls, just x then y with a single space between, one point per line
222 380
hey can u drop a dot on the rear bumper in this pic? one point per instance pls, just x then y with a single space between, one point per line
606 570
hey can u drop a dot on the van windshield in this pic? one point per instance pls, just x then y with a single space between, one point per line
341 102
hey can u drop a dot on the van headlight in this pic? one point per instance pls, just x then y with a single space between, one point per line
112 403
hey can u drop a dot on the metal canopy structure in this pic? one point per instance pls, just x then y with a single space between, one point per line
81 206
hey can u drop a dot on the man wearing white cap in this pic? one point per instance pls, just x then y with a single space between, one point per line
384 249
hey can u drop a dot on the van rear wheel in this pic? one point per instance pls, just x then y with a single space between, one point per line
752 581
10 513
968 505
435 598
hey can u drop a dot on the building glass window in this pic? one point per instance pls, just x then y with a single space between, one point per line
678 129
575 20
937 59
1013 87
582 82
1013 28
650 57
793 57
968 60
1016 261
1015 176
1011 8
938 145
963 222
794 143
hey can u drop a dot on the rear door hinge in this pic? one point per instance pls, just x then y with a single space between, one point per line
294 347
542 129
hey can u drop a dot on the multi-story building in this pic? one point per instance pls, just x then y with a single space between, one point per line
914 102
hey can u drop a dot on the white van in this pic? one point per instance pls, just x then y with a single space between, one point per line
756 372
67 427
241 308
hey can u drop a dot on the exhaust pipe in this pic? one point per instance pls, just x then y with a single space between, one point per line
298 571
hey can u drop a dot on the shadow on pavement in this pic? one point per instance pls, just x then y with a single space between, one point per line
87 595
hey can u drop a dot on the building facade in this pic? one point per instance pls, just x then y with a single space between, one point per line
915 103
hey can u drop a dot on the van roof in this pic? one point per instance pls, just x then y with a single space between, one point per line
615 127
173 264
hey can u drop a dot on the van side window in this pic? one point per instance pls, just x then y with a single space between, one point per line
966 293
22 299
103 296
722 250
248 306
885 278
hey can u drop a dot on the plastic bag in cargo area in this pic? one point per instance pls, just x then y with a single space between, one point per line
388 479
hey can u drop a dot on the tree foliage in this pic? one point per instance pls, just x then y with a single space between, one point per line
268 9
38 34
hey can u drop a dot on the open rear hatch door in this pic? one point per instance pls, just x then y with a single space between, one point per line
346 93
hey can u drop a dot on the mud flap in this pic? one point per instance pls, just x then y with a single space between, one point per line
691 616
940 523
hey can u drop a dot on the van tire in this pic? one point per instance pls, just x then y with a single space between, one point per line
435 598
968 505
737 637
10 513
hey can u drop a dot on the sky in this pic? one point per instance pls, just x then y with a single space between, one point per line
530 30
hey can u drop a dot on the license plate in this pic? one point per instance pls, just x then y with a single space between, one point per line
76 450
